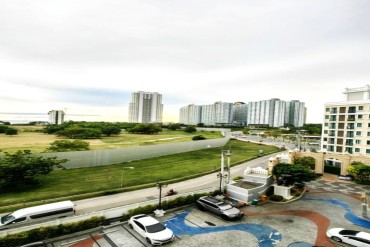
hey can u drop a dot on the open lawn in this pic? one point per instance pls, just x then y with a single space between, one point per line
37 142
74 183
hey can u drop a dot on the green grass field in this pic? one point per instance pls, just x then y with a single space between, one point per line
29 138
78 183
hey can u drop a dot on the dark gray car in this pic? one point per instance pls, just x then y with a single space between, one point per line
220 208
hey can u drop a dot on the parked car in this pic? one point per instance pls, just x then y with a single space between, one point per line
151 229
220 208
352 237
348 177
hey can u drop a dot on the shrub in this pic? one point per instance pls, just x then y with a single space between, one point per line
238 178
42 233
197 138
276 198
169 204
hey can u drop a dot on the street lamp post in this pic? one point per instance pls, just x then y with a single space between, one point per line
130 167
160 186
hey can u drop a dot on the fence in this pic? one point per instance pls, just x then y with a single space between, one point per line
103 157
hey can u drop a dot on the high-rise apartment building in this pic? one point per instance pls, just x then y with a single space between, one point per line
240 113
191 114
346 127
276 113
56 116
218 113
145 107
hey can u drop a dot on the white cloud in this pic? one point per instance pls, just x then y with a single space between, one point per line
190 51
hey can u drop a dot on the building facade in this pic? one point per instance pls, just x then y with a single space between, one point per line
240 113
276 113
219 113
56 116
346 127
191 114
145 107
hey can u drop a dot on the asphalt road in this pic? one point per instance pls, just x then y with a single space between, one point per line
192 185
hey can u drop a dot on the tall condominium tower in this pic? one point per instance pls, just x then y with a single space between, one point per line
145 107
191 114
56 117
276 113
218 113
240 113
346 124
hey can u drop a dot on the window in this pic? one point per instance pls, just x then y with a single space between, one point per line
20 219
62 211
325 131
326 116
368 151
368 125
351 109
139 225
367 142
360 116
358 141
324 146
359 125
361 108
368 133
326 124
357 150
358 133
327 109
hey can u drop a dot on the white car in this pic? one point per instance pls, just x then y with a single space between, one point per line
151 229
352 237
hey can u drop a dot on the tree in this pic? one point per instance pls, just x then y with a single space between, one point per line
300 173
360 171
65 146
110 129
3 128
190 129
11 132
173 126
77 132
23 169
145 129
305 161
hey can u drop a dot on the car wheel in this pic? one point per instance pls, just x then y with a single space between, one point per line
224 217
336 239
200 207
130 226
148 240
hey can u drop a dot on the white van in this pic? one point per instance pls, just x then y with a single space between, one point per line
37 214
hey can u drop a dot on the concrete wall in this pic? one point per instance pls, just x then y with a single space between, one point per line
345 159
103 157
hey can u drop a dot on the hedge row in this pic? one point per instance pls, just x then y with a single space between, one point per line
169 204
42 233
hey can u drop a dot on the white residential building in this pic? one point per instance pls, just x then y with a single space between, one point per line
145 107
191 114
276 113
218 113
240 113
56 116
346 127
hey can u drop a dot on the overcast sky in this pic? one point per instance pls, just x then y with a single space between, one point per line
88 56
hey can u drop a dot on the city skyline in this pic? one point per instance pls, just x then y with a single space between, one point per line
86 58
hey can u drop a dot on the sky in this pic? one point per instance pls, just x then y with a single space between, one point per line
86 57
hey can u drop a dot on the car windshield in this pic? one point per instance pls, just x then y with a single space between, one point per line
7 218
155 228
225 206
348 232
